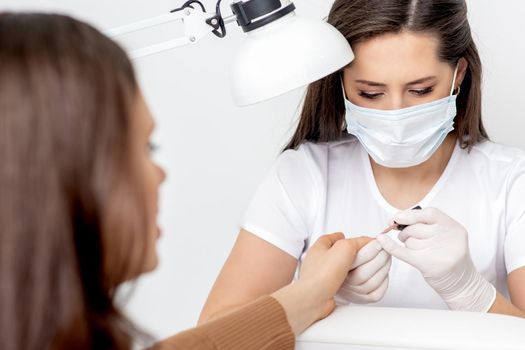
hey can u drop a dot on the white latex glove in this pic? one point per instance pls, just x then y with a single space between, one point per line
367 282
437 246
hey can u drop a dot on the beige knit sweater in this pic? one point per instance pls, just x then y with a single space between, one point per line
259 325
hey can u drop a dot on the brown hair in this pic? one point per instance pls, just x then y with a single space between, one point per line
67 181
359 20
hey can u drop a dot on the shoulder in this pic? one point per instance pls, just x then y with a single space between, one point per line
313 157
497 153
497 160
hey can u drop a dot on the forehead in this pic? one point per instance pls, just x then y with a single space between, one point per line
396 57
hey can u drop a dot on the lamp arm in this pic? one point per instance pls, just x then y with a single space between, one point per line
197 24
249 14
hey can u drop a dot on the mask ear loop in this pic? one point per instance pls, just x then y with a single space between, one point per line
343 86
454 81
344 126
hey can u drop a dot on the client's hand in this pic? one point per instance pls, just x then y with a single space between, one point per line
322 272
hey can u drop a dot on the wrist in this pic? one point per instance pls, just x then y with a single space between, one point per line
303 304
476 296
466 290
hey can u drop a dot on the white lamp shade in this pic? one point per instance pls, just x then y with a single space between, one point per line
285 55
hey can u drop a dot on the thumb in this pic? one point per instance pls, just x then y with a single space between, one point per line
327 241
394 249
366 253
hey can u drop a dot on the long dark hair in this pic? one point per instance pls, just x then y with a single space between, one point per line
67 181
359 20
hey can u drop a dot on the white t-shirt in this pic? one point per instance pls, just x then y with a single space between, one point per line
329 187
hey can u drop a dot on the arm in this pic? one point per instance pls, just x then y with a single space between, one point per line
513 249
262 324
254 268
515 307
271 322
275 226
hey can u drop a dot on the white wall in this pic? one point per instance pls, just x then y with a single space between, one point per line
498 30
216 153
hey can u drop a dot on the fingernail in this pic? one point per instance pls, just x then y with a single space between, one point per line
389 228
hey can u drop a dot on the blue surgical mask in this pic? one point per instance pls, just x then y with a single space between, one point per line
404 137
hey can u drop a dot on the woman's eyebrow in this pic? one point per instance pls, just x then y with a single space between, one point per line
422 80
370 83
415 82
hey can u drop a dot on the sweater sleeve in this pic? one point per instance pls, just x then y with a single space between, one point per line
261 324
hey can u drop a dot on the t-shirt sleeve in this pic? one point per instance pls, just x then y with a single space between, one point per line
280 210
514 249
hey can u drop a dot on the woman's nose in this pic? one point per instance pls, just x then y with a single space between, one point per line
396 102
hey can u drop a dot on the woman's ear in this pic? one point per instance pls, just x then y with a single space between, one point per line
462 71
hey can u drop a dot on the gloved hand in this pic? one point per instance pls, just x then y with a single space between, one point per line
323 270
437 246
367 282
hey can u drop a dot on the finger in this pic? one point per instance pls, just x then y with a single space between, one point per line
379 293
372 297
345 250
397 250
416 244
366 271
367 253
360 242
390 227
404 218
419 231
425 216
374 282
353 245
346 295
327 241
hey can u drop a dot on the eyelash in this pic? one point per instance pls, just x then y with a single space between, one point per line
420 92
423 92
369 96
